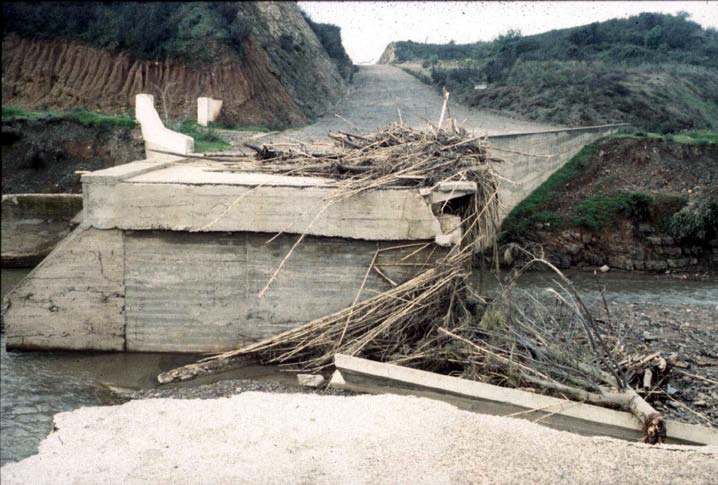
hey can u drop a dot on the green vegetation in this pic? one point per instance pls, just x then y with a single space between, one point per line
205 139
85 118
657 72
596 211
223 125
646 38
331 39
698 220
687 138
147 30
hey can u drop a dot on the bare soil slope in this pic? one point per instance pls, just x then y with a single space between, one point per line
282 77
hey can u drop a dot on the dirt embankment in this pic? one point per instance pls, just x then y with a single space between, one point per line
282 76
41 156
631 204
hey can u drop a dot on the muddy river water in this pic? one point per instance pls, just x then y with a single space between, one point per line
37 385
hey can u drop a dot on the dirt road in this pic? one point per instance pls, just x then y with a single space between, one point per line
372 101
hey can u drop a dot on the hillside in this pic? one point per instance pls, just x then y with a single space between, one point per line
631 202
657 72
263 59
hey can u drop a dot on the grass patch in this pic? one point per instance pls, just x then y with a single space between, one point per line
10 113
85 118
597 211
685 138
205 139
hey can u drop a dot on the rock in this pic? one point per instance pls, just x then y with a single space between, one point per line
604 268
656 265
310 380
646 228
573 248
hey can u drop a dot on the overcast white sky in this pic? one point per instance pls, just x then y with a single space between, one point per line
367 27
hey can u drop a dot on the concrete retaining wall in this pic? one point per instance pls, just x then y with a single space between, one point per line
530 158
170 291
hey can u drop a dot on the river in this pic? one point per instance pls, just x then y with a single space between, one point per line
37 385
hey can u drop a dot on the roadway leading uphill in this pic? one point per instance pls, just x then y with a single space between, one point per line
372 101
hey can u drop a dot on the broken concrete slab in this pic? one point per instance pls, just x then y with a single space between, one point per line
363 375
271 206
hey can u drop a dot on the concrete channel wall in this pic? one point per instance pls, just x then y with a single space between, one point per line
530 158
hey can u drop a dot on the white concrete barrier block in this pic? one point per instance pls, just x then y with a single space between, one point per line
159 138
208 110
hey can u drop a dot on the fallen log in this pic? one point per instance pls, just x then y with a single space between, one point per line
191 371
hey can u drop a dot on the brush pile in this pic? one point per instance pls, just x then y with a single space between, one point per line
432 321
398 325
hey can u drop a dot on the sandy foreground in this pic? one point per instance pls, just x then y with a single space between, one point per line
257 437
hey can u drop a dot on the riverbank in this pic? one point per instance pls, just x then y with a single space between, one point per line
645 203
281 438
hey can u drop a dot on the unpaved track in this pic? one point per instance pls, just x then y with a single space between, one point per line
372 101
295 438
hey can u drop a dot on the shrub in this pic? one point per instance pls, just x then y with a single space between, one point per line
147 30
698 220
331 39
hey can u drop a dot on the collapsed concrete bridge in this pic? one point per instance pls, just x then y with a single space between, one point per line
172 253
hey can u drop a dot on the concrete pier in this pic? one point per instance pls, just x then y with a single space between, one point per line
171 257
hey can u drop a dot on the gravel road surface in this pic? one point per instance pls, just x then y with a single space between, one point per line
299 438
372 101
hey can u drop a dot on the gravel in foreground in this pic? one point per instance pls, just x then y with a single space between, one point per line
297 438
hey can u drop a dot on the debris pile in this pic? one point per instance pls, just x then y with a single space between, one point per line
434 321
398 325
